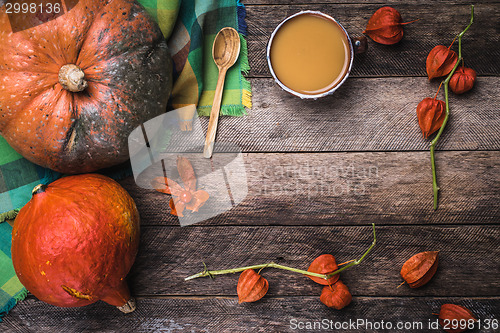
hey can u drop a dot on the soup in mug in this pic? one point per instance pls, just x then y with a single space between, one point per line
310 54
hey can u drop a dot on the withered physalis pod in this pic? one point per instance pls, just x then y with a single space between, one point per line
455 318
336 296
251 286
324 264
419 269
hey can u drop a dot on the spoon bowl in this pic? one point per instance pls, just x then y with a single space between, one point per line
226 47
225 52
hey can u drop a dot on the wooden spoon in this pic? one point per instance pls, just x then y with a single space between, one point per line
225 52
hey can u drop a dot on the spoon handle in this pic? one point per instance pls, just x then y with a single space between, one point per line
214 115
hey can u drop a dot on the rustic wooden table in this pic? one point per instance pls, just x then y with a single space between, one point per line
319 172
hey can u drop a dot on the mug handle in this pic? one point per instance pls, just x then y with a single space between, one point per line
359 44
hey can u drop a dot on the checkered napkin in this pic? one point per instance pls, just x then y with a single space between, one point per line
190 27
11 290
190 41
18 176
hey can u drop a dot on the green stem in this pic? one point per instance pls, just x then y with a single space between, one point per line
358 261
435 186
463 32
206 272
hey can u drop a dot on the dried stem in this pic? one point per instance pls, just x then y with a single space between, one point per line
206 272
435 186
439 88
345 263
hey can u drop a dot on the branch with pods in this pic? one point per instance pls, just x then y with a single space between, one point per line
323 270
386 27
433 114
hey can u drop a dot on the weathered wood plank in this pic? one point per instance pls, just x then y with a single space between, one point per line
377 114
438 24
364 115
351 189
468 258
226 315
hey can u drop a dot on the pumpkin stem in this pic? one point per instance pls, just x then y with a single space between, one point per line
40 188
128 307
72 78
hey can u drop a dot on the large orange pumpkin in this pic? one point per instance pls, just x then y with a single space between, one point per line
73 86
75 241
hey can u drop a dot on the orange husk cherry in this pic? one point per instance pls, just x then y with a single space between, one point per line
187 197
450 312
385 26
324 264
251 286
419 269
440 61
462 80
430 114
336 296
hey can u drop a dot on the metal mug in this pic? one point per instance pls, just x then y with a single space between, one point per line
355 45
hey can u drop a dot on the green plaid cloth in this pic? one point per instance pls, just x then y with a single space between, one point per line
18 177
190 42
190 27
11 290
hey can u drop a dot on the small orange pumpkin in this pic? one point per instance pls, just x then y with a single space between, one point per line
74 242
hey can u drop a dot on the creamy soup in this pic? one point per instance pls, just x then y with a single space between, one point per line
310 54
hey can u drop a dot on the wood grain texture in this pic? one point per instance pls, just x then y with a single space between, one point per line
319 172
438 24
377 114
468 257
351 189
219 315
